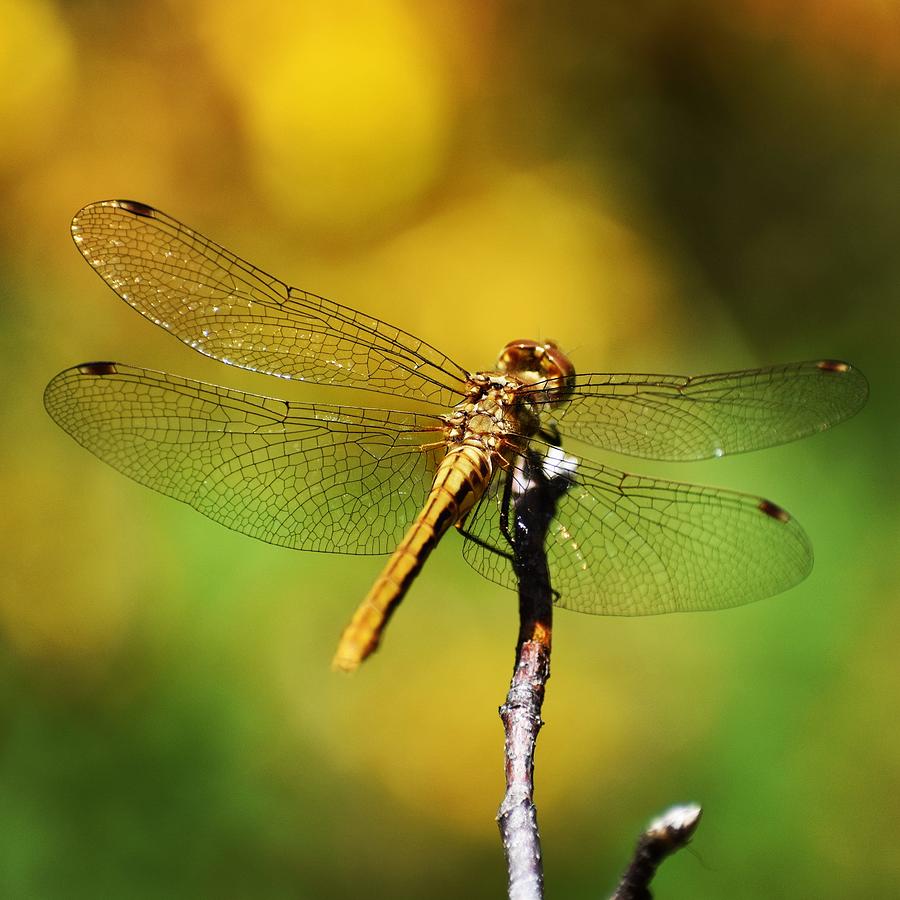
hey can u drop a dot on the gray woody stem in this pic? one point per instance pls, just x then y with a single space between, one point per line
537 487
663 837
534 503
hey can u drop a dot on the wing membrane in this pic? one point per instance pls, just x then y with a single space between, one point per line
305 476
627 545
679 417
228 309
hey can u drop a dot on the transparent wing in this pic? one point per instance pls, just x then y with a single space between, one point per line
679 417
228 309
632 546
305 476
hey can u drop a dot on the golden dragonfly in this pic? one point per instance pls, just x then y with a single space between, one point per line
343 479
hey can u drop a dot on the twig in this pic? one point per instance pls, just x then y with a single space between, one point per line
536 491
663 837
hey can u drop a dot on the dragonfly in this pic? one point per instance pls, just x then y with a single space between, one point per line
359 480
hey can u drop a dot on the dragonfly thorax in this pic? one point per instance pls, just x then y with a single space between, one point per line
488 415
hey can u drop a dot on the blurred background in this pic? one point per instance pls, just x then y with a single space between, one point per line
675 187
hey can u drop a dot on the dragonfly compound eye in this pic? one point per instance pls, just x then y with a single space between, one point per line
541 363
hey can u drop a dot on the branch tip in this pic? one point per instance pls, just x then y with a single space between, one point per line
664 836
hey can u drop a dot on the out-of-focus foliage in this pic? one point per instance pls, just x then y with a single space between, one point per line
347 113
668 187
37 68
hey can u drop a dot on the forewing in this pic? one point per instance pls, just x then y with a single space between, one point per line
228 309
628 545
679 417
305 476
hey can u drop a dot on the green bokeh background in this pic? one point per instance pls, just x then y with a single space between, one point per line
660 187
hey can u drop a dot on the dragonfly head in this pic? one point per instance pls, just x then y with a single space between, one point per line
539 362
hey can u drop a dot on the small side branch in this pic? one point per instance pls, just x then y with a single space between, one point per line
663 837
533 495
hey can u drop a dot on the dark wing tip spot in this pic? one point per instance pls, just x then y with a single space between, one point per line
773 510
833 365
136 207
97 368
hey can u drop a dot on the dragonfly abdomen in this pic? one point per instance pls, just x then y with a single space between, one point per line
462 477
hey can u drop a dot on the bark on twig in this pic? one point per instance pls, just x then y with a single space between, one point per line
534 503
663 837
536 488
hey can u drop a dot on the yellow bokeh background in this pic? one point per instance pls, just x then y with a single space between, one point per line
678 187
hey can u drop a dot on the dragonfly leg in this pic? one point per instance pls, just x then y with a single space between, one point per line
483 544
504 522
550 434
505 506
434 445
